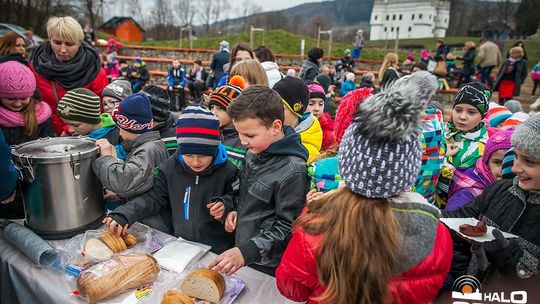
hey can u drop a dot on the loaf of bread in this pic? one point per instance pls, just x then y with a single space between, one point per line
204 284
116 275
177 297
96 249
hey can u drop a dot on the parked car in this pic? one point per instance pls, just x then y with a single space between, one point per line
7 27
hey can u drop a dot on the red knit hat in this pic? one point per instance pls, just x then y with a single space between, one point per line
347 107
16 81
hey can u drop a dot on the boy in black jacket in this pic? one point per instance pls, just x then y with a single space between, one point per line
186 183
273 183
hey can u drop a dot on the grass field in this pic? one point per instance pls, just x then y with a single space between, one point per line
282 42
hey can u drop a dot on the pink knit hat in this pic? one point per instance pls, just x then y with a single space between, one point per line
499 140
16 81
424 54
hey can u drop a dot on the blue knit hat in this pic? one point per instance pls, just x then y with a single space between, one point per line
134 114
197 131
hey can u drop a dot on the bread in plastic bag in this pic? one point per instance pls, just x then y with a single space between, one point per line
116 275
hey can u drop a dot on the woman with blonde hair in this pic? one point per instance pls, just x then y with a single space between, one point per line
66 62
251 70
389 70
372 241
511 75
13 47
468 62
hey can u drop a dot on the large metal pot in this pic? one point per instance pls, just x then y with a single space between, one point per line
62 196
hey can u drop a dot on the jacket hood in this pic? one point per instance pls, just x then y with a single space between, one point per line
139 141
269 66
290 144
229 133
220 159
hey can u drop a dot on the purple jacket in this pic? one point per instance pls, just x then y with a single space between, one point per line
465 186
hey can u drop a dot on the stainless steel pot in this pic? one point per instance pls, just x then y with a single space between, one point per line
62 196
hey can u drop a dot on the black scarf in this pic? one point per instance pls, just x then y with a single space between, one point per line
75 73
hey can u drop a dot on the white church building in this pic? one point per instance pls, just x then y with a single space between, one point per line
409 19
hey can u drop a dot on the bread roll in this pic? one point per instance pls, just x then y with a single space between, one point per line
130 240
204 284
96 249
177 297
116 275
114 242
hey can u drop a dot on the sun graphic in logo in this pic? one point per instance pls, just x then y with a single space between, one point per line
466 287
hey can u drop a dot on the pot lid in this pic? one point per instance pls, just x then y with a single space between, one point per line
56 148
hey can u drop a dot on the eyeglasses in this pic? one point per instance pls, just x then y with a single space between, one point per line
110 104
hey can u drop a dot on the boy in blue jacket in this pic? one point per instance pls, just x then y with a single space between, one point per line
176 82
186 184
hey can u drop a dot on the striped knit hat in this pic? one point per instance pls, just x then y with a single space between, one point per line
224 95
497 114
80 105
197 131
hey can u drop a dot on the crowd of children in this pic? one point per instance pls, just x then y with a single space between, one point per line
235 171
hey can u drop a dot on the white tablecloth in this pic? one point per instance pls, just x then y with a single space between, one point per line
22 282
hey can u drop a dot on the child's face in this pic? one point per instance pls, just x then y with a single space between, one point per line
79 128
123 65
527 170
176 64
495 163
465 117
316 106
110 103
255 136
196 162
15 105
225 119
137 65
241 55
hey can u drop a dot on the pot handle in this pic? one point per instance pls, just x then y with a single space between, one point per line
75 166
22 167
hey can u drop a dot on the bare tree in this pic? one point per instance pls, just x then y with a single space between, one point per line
134 10
162 18
219 9
505 10
248 9
185 11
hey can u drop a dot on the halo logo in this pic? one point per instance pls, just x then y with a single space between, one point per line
468 288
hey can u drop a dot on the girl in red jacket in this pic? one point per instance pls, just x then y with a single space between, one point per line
370 241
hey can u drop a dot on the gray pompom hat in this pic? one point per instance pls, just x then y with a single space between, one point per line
527 137
380 154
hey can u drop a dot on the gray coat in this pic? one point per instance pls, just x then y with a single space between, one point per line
135 175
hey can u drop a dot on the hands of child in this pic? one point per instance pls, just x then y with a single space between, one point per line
312 194
8 200
230 222
105 147
228 262
114 227
216 209
452 150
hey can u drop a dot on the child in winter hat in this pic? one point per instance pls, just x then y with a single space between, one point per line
198 171
348 85
497 114
114 93
514 106
220 99
379 159
295 97
80 110
526 139
317 106
467 185
142 146
22 118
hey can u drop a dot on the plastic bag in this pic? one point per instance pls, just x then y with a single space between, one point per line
233 286
116 275
146 241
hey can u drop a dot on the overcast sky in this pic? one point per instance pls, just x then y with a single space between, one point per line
236 11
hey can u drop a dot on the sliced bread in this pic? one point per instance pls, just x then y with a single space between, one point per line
204 284
96 249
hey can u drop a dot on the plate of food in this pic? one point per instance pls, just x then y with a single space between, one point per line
473 229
